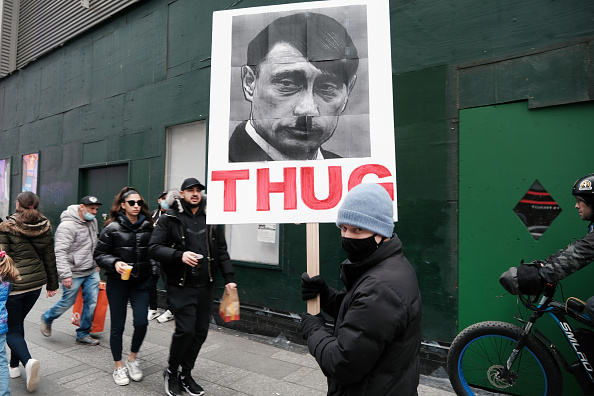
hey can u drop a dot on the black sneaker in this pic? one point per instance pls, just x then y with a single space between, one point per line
172 384
191 386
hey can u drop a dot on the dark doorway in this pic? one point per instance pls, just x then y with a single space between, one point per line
105 183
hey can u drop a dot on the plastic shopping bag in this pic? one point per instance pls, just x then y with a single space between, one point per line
229 308
100 309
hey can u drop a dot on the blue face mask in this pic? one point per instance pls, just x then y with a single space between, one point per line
164 205
88 216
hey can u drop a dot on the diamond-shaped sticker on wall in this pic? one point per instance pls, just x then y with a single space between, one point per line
537 210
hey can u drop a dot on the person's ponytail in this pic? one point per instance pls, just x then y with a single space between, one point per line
27 209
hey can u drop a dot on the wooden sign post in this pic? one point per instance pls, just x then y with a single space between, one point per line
313 261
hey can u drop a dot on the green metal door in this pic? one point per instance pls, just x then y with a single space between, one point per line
504 149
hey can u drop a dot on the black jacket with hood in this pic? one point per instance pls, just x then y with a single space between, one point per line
377 334
168 244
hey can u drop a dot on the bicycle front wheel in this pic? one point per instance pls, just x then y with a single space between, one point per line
480 352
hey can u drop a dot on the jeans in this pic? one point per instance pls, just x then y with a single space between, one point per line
90 291
118 293
4 376
191 308
18 306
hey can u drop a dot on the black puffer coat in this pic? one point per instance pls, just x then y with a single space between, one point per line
120 242
377 335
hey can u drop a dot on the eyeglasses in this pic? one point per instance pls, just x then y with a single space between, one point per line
131 202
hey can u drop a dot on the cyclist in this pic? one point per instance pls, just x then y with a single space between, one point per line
533 276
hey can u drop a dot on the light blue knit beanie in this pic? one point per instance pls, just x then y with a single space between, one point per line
370 207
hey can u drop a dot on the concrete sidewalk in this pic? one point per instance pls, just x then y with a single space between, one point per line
230 363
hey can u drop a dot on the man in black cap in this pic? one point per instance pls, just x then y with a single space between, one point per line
190 252
75 241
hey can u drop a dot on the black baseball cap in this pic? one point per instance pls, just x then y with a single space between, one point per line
191 182
163 194
90 200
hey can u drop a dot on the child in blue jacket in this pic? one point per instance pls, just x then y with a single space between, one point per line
8 274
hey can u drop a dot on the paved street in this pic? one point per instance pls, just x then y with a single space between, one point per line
231 363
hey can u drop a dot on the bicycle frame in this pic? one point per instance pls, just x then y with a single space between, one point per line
558 311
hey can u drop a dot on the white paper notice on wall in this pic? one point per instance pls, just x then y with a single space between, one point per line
301 110
267 233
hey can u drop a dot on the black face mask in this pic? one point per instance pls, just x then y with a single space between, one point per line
358 250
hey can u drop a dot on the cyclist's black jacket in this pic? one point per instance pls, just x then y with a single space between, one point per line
569 259
377 335
169 242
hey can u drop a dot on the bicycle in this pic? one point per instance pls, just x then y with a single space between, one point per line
504 358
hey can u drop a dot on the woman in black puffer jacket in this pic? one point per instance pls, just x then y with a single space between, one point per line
124 242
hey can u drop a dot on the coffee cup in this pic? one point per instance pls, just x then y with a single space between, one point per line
126 274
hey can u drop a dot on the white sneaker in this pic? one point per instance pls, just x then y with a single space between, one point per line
134 370
14 372
32 372
153 314
166 317
120 377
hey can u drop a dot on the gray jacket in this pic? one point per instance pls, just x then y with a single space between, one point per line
75 242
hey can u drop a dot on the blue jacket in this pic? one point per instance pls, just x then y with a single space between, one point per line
4 292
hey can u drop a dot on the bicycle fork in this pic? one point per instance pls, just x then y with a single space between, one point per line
504 374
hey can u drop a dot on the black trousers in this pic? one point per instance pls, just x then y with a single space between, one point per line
153 296
119 292
153 293
191 308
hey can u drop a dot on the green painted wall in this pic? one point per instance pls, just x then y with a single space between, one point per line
109 95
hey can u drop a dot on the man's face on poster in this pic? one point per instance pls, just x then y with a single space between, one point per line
295 104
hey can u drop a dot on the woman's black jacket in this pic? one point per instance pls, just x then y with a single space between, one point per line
167 246
119 241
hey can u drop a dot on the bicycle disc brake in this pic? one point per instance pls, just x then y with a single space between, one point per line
493 374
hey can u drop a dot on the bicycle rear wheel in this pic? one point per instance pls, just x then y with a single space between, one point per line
479 353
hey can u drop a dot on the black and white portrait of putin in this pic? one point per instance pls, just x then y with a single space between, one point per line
298 79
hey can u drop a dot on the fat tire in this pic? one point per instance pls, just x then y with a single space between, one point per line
494 331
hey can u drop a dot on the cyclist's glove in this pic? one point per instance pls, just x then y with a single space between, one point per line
529 279
509 280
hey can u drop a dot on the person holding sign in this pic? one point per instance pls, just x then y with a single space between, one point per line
122 251
299 74
190 253
374 349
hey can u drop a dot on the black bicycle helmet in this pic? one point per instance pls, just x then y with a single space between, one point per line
583 188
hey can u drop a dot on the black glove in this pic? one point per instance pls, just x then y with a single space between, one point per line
311 323
529 279
311 287
509 281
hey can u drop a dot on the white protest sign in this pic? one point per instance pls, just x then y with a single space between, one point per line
301 110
